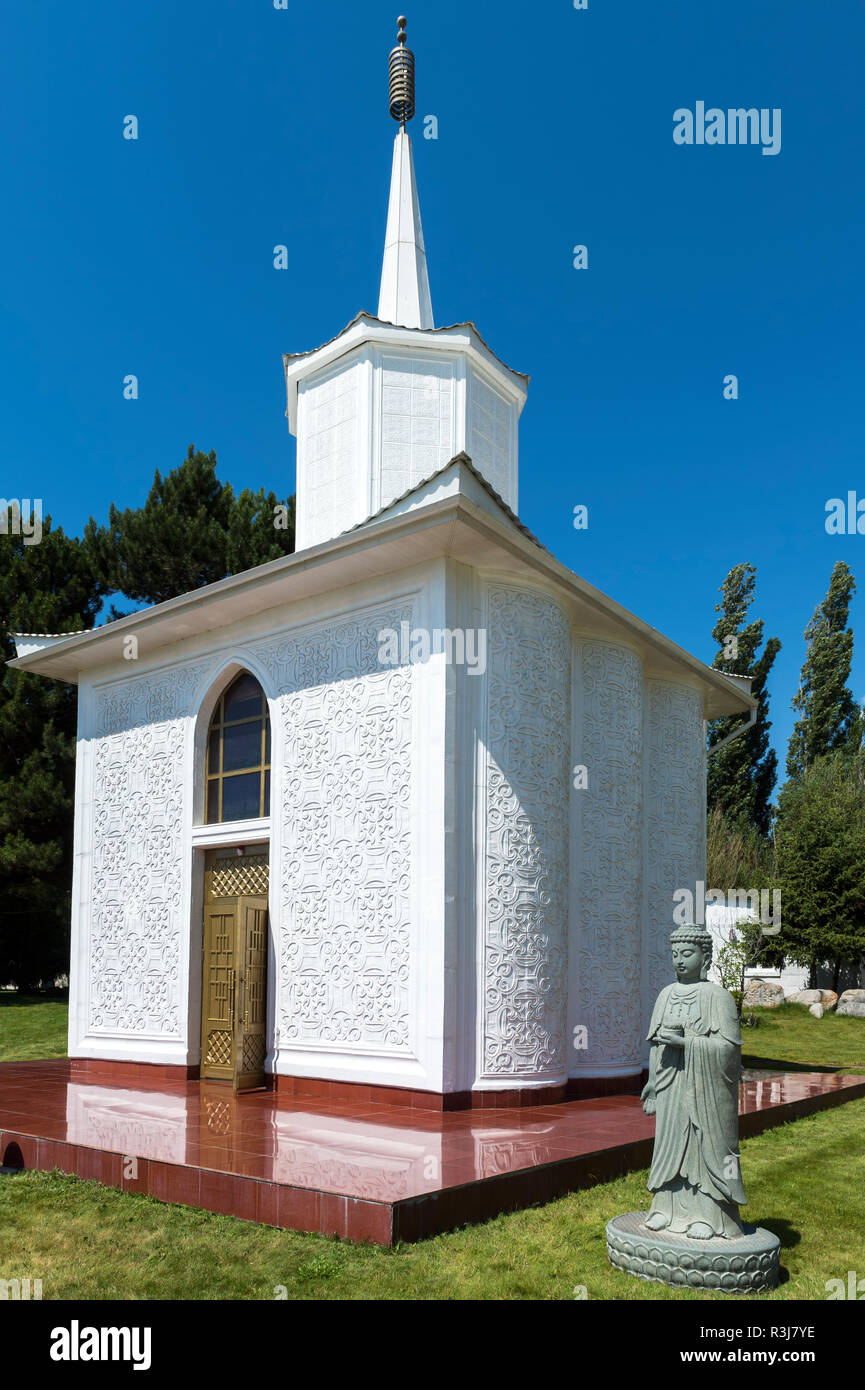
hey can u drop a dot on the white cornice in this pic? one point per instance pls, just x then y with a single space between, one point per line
453 525
460 338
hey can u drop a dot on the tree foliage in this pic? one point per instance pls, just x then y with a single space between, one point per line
47 587
741 777
820 860
737 855
742 949
829 718
192 530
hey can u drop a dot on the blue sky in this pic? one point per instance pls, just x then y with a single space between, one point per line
259 126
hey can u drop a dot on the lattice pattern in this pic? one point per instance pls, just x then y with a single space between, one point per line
253 1052
219 1048
217 1113
233 878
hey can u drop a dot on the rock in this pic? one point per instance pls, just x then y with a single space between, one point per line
763 994
826 997
852 1003
816 1010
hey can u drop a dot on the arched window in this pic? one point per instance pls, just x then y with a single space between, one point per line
238 754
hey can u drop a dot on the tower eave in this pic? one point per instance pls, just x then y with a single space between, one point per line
368 328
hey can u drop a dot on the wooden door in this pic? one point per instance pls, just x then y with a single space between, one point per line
219 990
250 1032
234 969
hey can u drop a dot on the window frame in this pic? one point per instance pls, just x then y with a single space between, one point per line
220 776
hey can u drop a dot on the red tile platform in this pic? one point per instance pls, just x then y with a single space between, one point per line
360 1170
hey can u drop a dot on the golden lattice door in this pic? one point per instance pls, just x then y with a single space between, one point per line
234 970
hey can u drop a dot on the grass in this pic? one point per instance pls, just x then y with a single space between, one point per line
805 1181
89 1242
792 1039
32 1028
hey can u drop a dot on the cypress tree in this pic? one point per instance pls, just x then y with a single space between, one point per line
740 777
829 718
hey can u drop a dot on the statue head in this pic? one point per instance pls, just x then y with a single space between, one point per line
692 953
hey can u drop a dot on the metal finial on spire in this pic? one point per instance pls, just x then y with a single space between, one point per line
401 75
404 296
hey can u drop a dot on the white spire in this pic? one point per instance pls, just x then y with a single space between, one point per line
404 298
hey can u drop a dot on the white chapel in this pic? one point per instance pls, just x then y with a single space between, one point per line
327 822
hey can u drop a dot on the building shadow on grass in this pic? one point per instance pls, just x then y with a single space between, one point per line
752 1063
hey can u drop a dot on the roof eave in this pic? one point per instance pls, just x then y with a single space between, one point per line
223 601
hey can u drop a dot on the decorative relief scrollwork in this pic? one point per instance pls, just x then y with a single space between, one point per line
346 778
609 893
344 950
137 791
676 817
526 754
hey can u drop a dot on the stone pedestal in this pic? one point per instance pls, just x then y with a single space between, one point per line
746 1264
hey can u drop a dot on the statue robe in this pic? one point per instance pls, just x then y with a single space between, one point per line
696 1092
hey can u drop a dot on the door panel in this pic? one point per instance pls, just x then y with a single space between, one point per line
234 970
220 990
251 992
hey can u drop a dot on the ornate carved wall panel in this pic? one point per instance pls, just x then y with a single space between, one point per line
344 949
417 422
139 778
330 500
609 894
676 817
526 752
490 449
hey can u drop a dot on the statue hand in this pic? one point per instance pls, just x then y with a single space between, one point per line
670 1039
648 1099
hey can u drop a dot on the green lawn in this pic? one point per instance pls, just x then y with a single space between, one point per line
31 1029
88 1242
791 1038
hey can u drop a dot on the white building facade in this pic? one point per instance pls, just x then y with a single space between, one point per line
463 870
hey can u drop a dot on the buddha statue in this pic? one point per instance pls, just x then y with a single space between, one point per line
693 1091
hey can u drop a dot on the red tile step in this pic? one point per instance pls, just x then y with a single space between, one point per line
343 1164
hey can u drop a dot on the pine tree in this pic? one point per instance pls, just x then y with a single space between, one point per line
259 529
740 777
829 718
192 530
44 587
